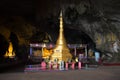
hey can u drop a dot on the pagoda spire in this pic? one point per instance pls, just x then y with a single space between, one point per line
61 40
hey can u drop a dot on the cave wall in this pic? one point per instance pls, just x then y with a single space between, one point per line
17 24
101 26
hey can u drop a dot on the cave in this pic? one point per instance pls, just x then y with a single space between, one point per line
92 22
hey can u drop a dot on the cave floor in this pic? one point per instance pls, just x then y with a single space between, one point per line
99 73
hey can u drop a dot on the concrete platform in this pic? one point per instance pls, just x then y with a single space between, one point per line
100 73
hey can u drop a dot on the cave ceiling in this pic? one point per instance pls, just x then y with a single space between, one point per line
30 8
44 14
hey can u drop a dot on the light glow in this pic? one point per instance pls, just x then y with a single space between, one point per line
10 53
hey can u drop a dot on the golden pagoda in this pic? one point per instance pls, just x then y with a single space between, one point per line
61 51
10 53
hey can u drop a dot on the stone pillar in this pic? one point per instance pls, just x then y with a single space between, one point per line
43 65
66 65
50 65
30 51
61 65
75 51
79 65
73 65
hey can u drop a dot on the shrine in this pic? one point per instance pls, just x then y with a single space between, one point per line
61 51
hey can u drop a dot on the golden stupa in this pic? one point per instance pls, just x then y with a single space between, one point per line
61 52
10 53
